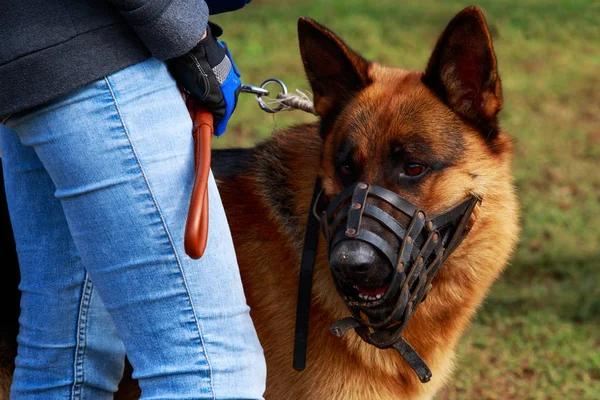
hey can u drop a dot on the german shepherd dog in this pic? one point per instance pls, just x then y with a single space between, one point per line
433 138
430 137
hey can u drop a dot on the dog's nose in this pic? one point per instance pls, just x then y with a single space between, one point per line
352 257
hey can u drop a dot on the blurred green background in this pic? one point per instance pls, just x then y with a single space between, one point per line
538 334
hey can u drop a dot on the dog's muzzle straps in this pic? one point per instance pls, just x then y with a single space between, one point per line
422 245
307 265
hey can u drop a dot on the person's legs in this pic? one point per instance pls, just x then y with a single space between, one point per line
68 346
121 156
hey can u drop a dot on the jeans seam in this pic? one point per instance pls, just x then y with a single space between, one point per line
78 368
167 233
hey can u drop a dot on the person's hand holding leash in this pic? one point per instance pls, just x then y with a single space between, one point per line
208 73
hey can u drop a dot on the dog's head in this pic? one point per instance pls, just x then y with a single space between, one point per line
431 137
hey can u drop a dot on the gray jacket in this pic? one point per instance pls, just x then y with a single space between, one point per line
49 47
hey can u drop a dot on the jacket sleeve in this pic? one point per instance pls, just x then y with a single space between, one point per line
168 28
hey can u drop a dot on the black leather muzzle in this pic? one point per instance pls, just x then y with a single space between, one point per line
424 244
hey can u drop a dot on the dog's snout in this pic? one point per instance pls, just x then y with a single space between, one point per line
351 256
358 262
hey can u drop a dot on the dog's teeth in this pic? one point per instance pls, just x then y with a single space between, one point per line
369 297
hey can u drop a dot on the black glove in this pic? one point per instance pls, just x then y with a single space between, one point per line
207 72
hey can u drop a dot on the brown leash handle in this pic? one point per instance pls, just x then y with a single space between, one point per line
196 226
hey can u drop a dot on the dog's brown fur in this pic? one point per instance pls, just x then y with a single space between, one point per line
445 118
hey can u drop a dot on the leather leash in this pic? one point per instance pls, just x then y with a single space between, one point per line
196 226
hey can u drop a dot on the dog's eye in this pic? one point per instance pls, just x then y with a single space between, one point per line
346 169
414 169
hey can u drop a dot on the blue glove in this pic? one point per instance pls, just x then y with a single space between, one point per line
230 89
208 73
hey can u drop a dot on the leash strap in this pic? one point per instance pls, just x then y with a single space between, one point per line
307 266
196 226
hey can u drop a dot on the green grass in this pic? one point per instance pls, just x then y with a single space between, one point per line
537 336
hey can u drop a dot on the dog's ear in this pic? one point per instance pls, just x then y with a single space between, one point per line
462 70
334 71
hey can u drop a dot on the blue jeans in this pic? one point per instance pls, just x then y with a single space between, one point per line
98 185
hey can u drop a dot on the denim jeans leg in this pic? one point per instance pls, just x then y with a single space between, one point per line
59 355
120 154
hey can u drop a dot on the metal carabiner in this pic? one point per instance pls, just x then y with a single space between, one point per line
261 91
257 90
262 103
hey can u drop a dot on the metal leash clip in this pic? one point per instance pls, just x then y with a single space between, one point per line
261 91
